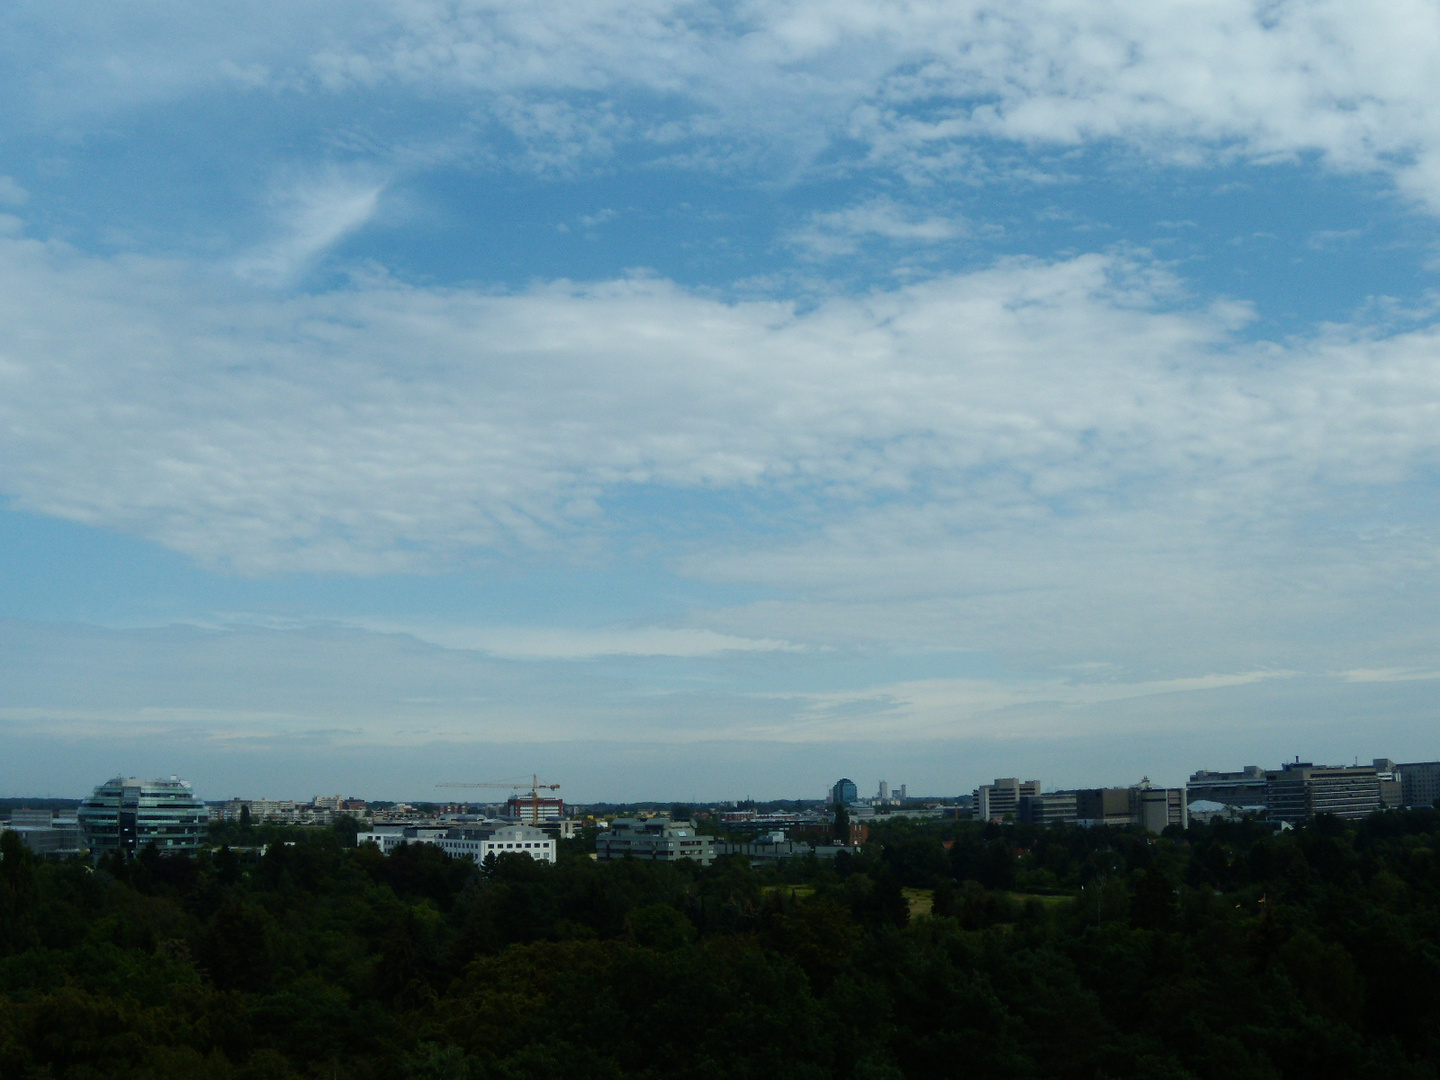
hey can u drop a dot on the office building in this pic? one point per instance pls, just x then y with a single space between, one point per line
1419 782
534 809
45 832
1300 790
1046 809
994 801
656 839
474 842
1145 805
844 792
884 793
1248 787
129 814
1157 808
1392 788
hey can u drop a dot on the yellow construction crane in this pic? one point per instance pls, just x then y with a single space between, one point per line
533 790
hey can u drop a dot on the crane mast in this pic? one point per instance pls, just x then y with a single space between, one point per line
532 792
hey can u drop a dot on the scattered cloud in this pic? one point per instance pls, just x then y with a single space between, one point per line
309 218
836 233
909 85
11 193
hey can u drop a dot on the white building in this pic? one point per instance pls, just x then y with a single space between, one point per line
473 842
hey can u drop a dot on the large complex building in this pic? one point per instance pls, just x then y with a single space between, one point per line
658 839
1150 807
994 801
128 814
466 841
1244 788
1301 790
1047 809
844 791
45 832
1419 782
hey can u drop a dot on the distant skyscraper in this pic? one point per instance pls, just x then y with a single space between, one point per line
845 792
884 790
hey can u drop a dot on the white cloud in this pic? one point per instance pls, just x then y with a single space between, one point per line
842 232
11 193
1019 459
310 218
912 84
555 643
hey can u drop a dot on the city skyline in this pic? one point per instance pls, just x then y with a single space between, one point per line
692 400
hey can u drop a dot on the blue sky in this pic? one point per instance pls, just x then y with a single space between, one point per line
696 400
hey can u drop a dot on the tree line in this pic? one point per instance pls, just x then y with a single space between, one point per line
938 950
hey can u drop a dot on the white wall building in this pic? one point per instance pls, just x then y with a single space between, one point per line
466 842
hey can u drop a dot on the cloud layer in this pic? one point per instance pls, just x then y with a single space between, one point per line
1013 432
909 85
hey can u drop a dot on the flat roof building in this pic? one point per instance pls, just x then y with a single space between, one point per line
994 801
1300 790
474 842
1047 809
656 839
1419 782
129 814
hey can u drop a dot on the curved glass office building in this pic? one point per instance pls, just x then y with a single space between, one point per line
126 814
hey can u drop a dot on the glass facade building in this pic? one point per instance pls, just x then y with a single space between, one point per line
126 814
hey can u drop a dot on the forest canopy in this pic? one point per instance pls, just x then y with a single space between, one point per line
938 950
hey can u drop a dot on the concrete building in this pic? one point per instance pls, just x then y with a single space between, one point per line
473 842
994 801
534 809
277 811
44 832
657 839
844 791
1300 790
884 792
1145 805
1046 809
1392 789
129 814
1419 782
1104 806
1157 808
1248 787
768 848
